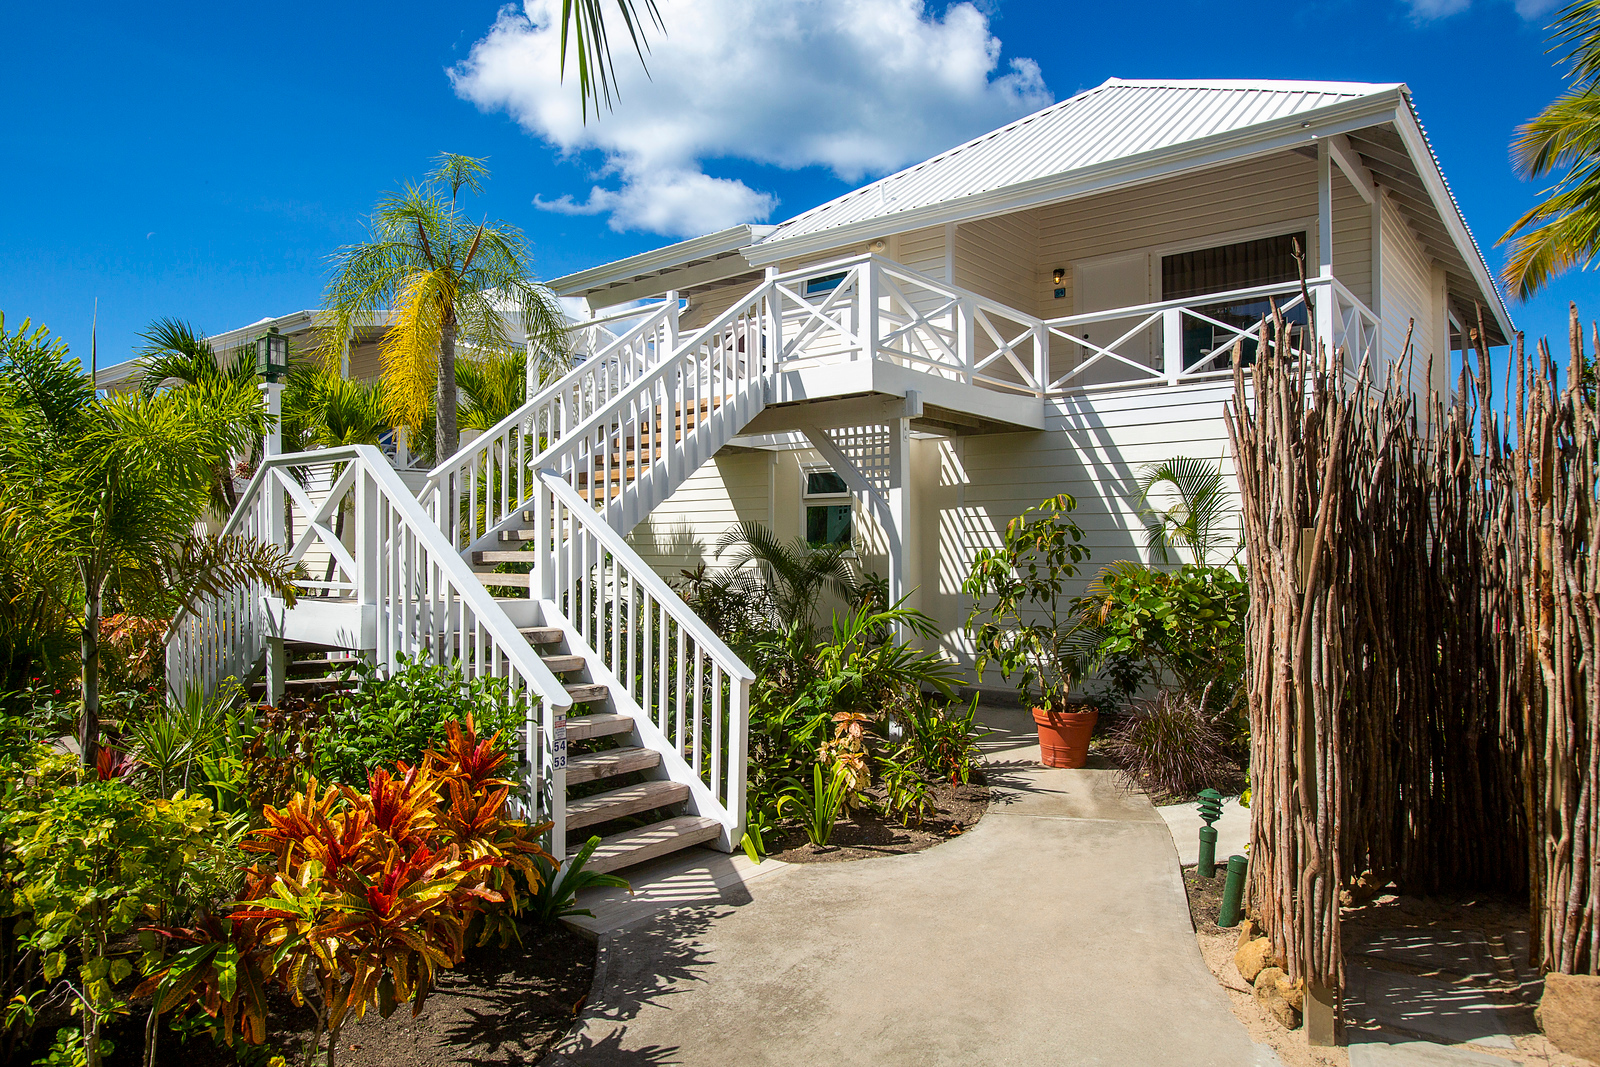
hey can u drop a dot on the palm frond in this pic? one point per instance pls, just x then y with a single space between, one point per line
1193 520
584 21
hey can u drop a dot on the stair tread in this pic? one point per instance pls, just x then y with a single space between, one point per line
507 556
600 724
310 683
649 842
560 662
584 692
510 581
541 635
629 800
610 763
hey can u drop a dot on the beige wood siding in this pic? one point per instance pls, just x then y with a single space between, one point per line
922 251
999 258
1407 293
683 530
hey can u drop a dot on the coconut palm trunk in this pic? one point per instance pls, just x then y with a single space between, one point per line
449 436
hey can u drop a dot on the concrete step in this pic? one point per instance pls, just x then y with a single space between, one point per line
649 842
592 766
586 692
541 635
601 724
629 800
561 662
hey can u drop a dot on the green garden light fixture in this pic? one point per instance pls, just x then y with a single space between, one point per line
272 355
1210 811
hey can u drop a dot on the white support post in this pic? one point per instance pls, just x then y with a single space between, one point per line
672 320
1172 344
368 532
544 560
1323 294
899 500
867 287
1376 303
1041 357
966 339
272 445
774 326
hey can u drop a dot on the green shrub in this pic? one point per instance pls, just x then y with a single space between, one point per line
940 742
1184 628
396 717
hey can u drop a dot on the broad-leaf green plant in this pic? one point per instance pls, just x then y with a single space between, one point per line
557 897
1022 619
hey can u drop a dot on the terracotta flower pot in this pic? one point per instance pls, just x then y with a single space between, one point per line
1064 735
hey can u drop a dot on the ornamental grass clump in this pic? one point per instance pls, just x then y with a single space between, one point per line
1174 746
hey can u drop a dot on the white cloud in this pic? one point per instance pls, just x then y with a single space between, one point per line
858 86
1428 10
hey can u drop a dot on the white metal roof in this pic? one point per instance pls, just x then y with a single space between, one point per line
1112 121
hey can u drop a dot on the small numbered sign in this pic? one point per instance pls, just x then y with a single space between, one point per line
558 746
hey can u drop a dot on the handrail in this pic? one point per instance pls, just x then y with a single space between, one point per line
646 577
489 476
689 692
428 540
573 377
1200 300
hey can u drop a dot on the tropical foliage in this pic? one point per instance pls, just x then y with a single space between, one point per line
101 495
795 573
450 281
1563 230
1022 619
1192 511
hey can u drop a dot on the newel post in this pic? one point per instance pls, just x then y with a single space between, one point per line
1172 344
868 288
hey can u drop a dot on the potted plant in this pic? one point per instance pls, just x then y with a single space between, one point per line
1023 622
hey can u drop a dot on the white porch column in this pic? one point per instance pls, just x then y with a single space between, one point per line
277 665
531 370
1322 295
902 565
367 534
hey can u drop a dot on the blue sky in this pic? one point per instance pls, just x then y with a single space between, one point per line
202 160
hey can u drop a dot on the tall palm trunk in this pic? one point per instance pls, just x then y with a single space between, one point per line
446 436
89 650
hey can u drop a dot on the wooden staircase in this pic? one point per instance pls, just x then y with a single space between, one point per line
614 788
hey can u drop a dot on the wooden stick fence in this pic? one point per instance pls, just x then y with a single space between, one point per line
1424 643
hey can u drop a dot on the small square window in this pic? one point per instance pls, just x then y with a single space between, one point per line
825 483
827 283
828 524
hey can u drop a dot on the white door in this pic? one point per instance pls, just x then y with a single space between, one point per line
1103 283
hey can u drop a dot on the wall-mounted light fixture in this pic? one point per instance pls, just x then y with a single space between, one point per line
1058 275
876 246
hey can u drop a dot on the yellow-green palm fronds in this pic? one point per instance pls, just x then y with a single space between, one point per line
410 350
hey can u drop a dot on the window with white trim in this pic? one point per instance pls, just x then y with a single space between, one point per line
829 511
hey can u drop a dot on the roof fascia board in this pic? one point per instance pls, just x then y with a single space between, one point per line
622 270
1433 180
681 279
1227 147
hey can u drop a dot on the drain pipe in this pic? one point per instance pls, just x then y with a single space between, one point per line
1210 811
1233 891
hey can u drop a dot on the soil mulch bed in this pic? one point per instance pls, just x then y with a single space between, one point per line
867 832
500 1006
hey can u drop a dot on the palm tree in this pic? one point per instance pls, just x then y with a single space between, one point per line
450 281
177 355
111 488
1193 518
796 572
1563 230
585 21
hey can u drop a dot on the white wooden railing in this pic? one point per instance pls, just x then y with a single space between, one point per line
399 587
1149 343
878 309
688 692
486 481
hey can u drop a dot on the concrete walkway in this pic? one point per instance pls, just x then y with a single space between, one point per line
1055 932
